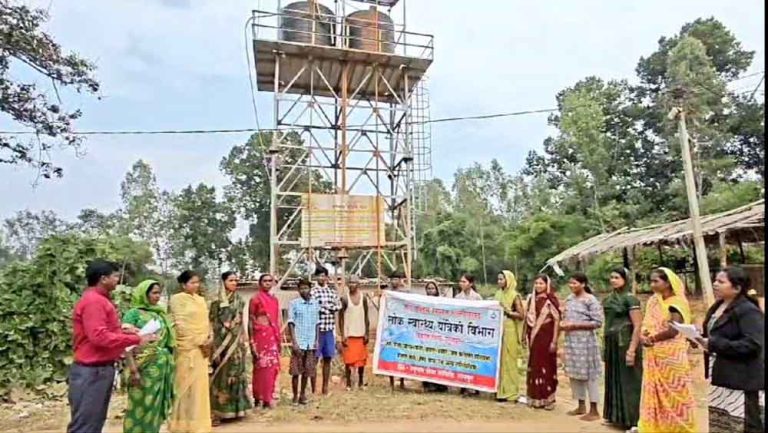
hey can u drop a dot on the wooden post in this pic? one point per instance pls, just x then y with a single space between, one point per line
631 269
661 255
625 257
697 282
741 249
693 207
723 251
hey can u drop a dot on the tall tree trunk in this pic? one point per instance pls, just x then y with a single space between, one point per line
598 211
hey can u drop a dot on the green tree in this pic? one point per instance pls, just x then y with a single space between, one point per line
435 200
717 136
147 211
730 195
484 198
542 237
200 229
91 222
728 57
590 164
237 255
249 189
693 80
444 246
25 45
26 230
6 255
36 301
615 156
746 124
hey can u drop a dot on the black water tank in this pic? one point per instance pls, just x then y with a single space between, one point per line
307 23
370 30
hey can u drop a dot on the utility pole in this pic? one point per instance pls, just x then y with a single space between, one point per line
693 204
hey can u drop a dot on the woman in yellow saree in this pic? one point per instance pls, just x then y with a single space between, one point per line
514 313
666 401
191 412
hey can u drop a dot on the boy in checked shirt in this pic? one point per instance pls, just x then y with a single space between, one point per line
304 330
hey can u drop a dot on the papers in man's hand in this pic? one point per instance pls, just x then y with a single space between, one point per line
689 331
150 328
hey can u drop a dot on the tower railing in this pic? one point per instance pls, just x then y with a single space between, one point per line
266 26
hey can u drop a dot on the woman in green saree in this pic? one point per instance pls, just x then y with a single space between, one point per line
622 355
229 383
150 388
511 340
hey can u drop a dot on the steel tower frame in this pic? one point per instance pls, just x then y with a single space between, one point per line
353 111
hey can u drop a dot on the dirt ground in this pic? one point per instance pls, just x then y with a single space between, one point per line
371 410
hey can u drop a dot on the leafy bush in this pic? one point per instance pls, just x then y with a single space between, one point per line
36 301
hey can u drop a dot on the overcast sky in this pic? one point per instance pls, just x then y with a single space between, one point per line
180 64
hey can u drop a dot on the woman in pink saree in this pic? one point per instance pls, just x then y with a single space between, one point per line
264 319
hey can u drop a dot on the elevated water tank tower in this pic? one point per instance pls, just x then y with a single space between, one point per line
345 85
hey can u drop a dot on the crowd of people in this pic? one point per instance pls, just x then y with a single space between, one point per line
191 372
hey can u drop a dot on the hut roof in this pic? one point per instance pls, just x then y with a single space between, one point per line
746 223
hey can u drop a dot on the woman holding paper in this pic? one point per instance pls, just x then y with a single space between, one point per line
229 382
667 403
514 313
623 361
191 412
733 338
150 388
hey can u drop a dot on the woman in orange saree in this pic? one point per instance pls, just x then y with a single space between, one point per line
666 402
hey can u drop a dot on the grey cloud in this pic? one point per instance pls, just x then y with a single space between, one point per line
144 55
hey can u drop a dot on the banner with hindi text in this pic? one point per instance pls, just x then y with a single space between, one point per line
441 340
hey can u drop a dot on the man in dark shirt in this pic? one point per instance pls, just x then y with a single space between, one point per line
99 341
328 299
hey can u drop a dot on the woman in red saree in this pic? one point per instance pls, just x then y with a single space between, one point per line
541 328
264 319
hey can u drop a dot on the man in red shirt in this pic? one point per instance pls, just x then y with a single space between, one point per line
99 341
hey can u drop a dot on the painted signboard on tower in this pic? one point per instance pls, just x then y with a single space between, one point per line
342 220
